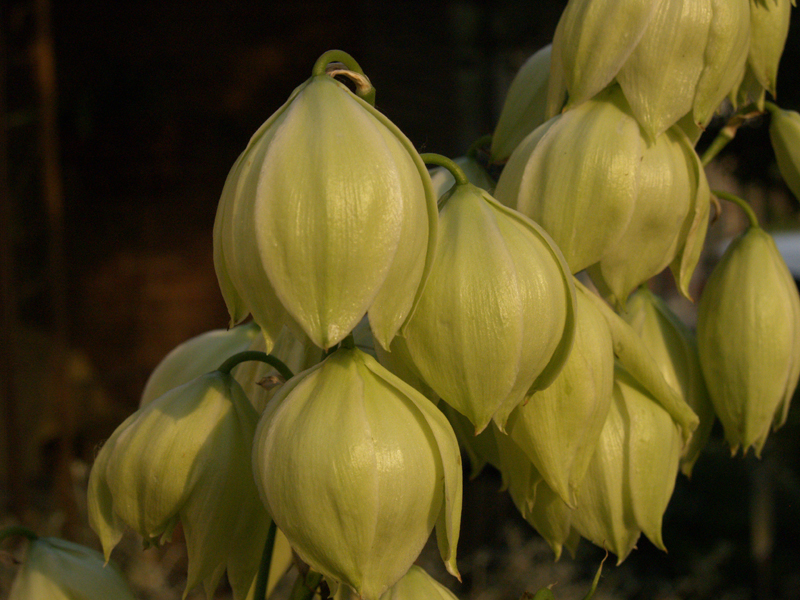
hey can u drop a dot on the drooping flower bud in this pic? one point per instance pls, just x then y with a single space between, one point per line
632 473
633 355
196 356
327 215
595 38
496 319
56 569
671 57
784 132
569 179
418 585
748 336
674 347
671 190
769 27
558 428
524 107
356 467
186 457
538 504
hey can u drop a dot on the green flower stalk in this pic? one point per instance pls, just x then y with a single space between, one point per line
674 347
443 180
496 319
186 457
418 585
326 216
356 467
748 336
56 569
558 428
525 106
784 132
194 357
261 381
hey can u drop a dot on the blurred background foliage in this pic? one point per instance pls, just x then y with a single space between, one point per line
121 122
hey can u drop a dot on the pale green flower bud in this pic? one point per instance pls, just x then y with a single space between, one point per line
418 585
496 319
594 40
356 467
443 180
196 356
748 335
674 347
572 181
784 132
670 184
769 27
725 56
56 569
671 57
538 504
186 457
327 215
525 106
632 473
558 428
634 356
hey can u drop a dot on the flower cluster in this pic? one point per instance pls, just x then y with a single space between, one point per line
427 313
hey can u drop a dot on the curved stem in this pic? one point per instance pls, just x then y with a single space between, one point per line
241 357
18 530
266 562
328 64
723 138
751 215
443 161
478 144
321 66
728 132
771 107
305 587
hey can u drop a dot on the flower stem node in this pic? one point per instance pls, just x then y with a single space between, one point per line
748 336
56 569
186 457
497 317
326 216
357 467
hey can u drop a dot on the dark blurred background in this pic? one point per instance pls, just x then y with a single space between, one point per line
121 122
